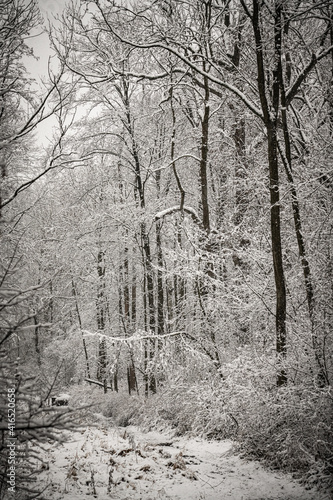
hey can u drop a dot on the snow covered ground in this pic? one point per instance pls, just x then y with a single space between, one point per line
126 464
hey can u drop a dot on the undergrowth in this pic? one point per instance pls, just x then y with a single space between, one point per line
289 428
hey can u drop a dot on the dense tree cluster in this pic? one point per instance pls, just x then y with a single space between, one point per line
24 388
201 121
181 229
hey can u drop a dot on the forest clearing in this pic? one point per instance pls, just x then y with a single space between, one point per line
166 249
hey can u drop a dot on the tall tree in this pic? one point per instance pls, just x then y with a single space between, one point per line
264 100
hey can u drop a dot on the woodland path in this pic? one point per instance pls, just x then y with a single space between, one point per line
127 464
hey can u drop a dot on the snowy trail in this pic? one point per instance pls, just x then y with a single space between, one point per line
126 464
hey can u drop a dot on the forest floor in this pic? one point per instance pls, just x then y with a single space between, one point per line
107 462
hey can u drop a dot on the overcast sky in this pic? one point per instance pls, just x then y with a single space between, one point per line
38 69
40 43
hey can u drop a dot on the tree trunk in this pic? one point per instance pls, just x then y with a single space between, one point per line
281 301
330 97
160 263
102 347
140 197
160 288
240 171
74 293
270 116
146 342
287 161
37 347
204 158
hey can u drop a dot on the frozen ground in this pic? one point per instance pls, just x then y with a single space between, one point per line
126 464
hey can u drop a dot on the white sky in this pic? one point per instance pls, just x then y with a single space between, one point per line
38 68
40 43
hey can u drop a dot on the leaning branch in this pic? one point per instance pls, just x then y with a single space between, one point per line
36 118
53 165
133 337
171 210
301 77
90 381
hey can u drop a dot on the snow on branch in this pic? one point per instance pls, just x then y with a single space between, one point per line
315 58
91 381
153 45
136 337
177 208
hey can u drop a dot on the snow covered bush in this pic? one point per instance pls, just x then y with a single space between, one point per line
26 424
289 428
122 408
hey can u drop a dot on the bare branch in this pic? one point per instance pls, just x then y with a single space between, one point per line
301 77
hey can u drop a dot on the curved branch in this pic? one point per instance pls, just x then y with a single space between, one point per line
171 210
193 66
301 77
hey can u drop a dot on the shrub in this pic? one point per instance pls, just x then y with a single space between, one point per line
289 428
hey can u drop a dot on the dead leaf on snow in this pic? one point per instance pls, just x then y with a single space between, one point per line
145 468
